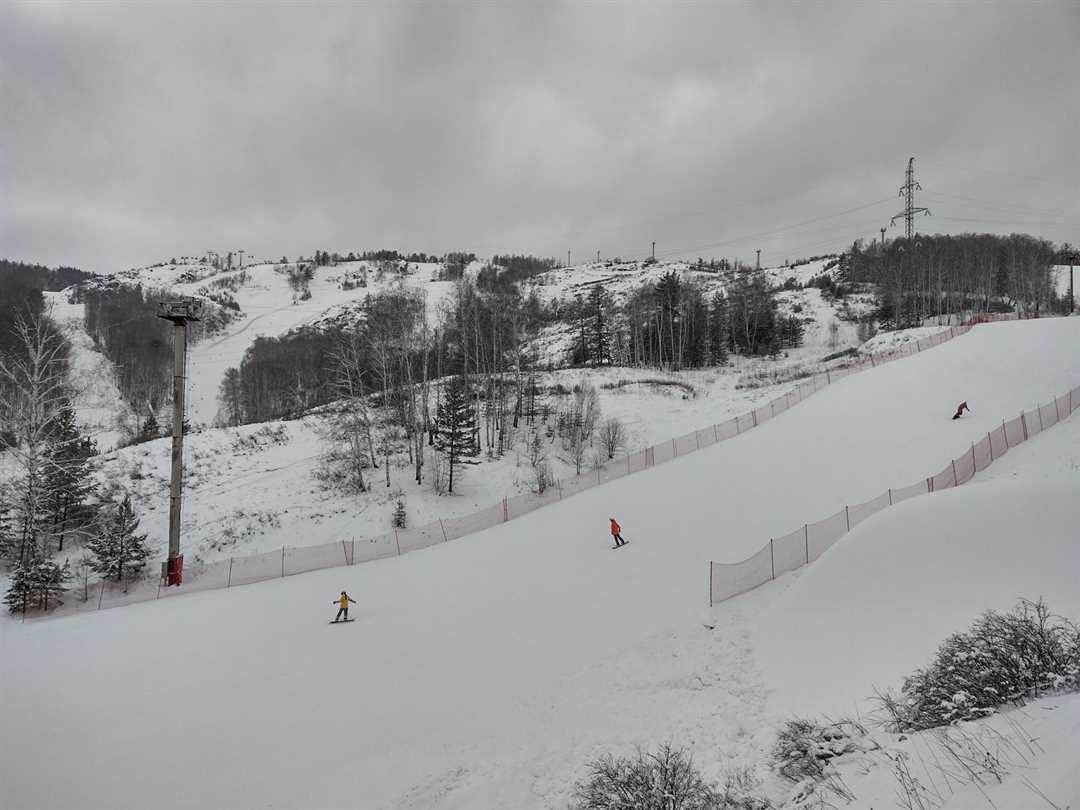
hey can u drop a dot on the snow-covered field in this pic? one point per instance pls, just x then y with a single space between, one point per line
486 672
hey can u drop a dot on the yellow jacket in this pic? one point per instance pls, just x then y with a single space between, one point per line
344 600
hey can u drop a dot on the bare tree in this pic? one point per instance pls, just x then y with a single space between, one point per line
612 436
32 396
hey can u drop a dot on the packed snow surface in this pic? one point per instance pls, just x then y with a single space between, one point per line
487 671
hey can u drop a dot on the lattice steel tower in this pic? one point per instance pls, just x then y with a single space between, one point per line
907 191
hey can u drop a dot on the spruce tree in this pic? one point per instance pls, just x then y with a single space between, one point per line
598 306
456 425
67 478
400 516
20 588
119 551
150 430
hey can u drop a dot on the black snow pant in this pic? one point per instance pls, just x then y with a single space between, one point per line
342 611
618 540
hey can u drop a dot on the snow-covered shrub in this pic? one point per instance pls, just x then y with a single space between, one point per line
666 780
1002 658
804 748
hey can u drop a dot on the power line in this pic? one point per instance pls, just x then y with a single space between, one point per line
980 203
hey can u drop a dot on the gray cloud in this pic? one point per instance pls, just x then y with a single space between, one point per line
131 133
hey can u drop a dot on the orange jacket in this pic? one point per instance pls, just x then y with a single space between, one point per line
615 527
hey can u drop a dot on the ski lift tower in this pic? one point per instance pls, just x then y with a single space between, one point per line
179 312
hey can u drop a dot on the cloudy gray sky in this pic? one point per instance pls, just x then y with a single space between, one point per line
133 132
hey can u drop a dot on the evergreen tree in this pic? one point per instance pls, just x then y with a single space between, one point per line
600 344
719 333
400 516
20 589
37 582
150 430
456 424
67 477
119 551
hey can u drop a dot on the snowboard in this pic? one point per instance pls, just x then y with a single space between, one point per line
341 621
625 543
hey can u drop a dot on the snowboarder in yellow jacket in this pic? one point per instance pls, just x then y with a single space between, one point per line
343 606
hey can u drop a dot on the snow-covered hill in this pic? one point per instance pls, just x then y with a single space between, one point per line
486 672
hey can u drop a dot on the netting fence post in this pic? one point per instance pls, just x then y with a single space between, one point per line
847 518
283 562
101 595
1023 424
397 542
955 478
990 442
443 528
1005 433
674 449
973 468
506 511
697 438
772 559
753 416
710 582
1038 410
345 552
929 484
806 541
890 496
716 429
228 582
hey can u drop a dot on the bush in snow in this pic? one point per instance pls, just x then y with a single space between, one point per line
804 752
666 780
1001 659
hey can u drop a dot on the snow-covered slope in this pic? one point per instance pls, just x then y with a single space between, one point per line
484 673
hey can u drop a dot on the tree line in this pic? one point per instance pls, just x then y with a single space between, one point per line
944 274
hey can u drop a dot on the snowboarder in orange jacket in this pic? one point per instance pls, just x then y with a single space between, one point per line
616 533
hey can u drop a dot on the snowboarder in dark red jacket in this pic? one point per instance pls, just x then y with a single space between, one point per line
960 409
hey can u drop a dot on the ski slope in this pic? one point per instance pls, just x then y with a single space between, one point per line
268 309
486 672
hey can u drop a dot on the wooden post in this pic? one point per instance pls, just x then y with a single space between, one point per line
890 496
283 562
397 542
847 518
710 582
990 442
1023 424
443 528
772 559
506 511
228 582
674 449
955 477
1039 411
1005 433
806 541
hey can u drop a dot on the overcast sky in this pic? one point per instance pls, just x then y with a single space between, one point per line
135 132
